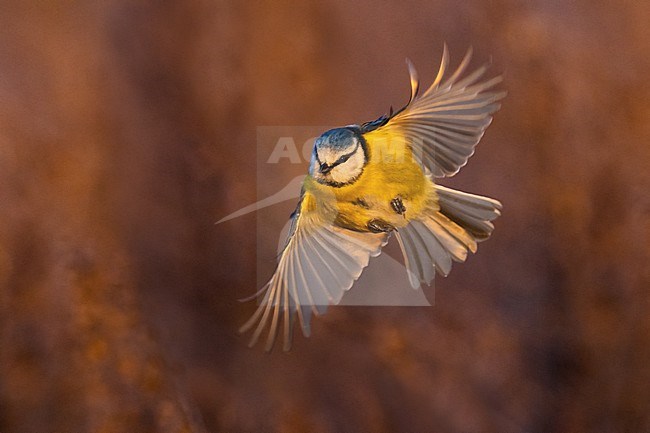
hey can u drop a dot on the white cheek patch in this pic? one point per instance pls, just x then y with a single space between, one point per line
350 169
327 155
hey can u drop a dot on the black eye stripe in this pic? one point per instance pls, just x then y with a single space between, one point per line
347 156
343 159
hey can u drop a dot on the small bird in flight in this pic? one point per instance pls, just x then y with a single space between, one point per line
369 181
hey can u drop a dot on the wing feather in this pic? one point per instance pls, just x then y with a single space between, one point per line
443 125
318 264
441 259
325 266
411 259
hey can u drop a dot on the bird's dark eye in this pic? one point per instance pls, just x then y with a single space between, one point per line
342 159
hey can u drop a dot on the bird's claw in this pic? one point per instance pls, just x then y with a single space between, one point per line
379 226
398 205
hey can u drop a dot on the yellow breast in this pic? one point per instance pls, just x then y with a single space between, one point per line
391 172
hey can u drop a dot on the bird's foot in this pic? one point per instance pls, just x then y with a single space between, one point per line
379 226
398 205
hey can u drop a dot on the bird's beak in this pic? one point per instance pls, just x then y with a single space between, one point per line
324 168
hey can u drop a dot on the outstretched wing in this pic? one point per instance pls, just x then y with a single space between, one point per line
443 125
318 264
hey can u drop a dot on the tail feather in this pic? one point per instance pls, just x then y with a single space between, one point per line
447 234
474 213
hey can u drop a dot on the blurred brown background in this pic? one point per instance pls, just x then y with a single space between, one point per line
127 128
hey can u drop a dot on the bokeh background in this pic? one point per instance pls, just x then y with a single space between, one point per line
127 128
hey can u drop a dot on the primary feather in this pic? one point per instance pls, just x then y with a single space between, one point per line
318 264
444 124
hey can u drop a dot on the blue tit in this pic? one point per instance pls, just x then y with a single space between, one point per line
367 182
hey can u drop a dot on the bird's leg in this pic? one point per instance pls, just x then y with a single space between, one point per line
398 205
379 226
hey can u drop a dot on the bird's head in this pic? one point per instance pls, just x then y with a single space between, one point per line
339 157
